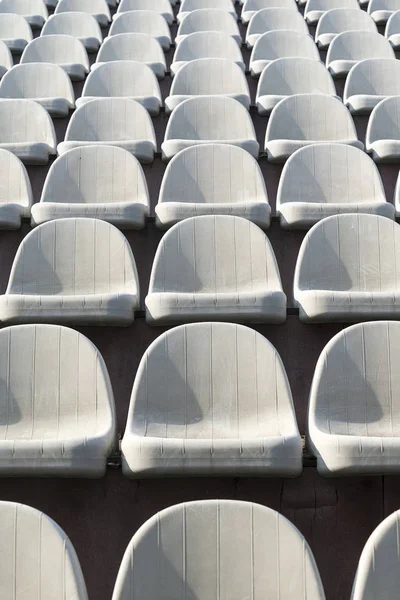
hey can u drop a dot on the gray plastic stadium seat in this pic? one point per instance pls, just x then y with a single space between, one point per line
140 47
99 9
284 77
250 7
209 19
102 182
251 431
63 50
205 119
338 20
304 119
328 179
45 83
33 11
281 44
143 21
37 556
58 419
369 82
354 408
382 139
316 8
123 79
15 191
14 32
208 76
112 121
187 6
206 44
382 10
26 130
201 273
351 47
378 571
273 19
163 7
80 25
236 547
392 29
342 271
213 179
92 281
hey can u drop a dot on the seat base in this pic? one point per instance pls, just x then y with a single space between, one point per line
280 150
303 215
127 215
169 213
142 149
171 147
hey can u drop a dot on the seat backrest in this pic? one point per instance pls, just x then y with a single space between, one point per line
355 389
382 5
349 253
24 7
263 553
286 76
59 49
94 7
202 376
37 556
209 19
131 46
384 122
77 24
210 76
330 174
110 119
337 20
378 76
210 118
208 44
268 19
315 117
65 382
326 5
359 45
378 573
78 177
37 80
200 254
15 186
25 121
213 173
141 21
281 43
73 257
255 5
122 78
393 24
189 5
14 26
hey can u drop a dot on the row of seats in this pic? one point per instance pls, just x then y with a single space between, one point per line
190 550
209 399
317 181
200 273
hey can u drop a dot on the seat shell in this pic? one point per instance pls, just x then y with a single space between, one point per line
322 180
47 562
281 44
33 11
187 6
273 19
392 29
208 19
63 50
208 76
351 47
216 179
285 77
304 119
207 436
118 122
250 7
382 10
264 552
91 282
353 407
60 416
123 79
199 273
80 25
15 191
14 32
143 21
45 83
99 9
382 139
162 7
338 20
315 9
369 82
341 273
